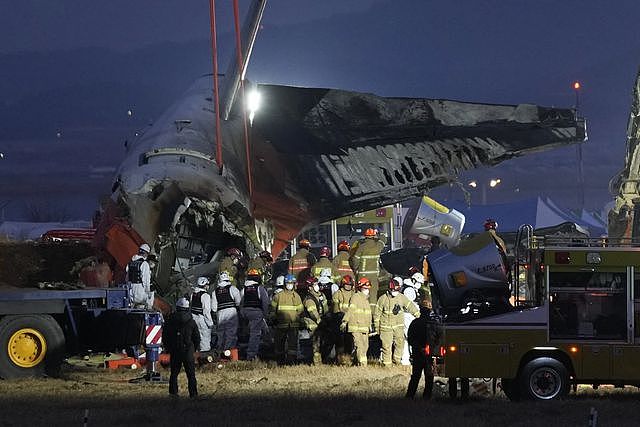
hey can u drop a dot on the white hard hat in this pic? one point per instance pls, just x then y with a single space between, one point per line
144 247
182 303
325 272
202 282
418 277
324 279
224 277
408 282
279 281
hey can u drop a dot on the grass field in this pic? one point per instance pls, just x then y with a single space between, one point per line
260 394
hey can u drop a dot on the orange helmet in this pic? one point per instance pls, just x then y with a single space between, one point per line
304 243
325 251
343 246
346 281
370 232
254 274
364 283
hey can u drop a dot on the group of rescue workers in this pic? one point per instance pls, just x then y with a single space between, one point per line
330 308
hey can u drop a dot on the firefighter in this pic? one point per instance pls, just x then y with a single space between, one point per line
230 264
423 338
300 264
315 314
139 278
285 312
366 260
255 307
323 263
225 302
388 321
181 338
262 262
201 312
341 263
341 301
491 227
357 321
411 290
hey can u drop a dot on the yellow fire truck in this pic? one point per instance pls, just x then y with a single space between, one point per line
572 319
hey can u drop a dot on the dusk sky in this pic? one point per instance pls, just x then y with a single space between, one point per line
70 70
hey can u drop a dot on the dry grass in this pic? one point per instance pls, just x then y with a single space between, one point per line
261 394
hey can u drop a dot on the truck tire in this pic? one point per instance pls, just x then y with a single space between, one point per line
30 345
544 378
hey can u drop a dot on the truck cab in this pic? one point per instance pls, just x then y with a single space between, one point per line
573 319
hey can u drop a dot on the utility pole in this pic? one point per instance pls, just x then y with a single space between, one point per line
576 88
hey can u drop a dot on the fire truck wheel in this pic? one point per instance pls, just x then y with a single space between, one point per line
544 378
30 345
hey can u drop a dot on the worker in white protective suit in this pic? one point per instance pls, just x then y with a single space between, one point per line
254 308
410 289
225 302
201 312
139 278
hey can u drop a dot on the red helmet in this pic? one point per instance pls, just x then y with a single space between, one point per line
234 252
266 255
325 251
490 224
413 270
346 281
395 285
364 283
343 246
370 232
306 283
304 243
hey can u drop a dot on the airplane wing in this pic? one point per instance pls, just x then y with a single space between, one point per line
327 153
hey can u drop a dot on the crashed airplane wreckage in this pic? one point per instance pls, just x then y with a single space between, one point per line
316 154
310 155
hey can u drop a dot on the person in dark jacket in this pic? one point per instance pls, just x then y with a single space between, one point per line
423 338
181 339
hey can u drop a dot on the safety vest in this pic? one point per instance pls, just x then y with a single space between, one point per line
341 300
341 265
358 315
366 259
389 311
196 302
135 271
299 262
286 308
224 298
321 265
251 297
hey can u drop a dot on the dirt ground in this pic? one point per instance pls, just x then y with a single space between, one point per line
260 394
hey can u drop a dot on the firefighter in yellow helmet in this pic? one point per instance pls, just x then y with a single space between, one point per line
341 301
341 262
285 311
366 260
388 321
300 264
357 320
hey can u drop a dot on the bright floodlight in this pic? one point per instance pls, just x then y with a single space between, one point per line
253 103
576 85
473 184
494 182
1 155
